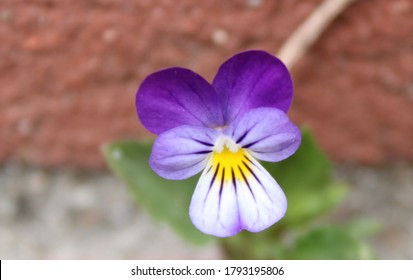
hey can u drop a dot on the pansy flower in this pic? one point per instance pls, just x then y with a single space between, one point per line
223 128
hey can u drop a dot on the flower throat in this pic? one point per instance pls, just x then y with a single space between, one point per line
229 161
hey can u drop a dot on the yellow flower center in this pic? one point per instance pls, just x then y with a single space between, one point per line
230 162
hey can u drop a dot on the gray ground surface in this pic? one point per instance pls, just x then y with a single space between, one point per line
383 194
63 214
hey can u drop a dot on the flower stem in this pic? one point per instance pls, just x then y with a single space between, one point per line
310 30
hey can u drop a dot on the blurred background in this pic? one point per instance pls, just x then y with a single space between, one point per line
69 71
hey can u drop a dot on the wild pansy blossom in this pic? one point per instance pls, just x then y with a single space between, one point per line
223 128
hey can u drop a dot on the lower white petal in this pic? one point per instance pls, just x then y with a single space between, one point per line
234 193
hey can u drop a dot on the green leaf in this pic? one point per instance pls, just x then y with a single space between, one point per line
308 204
165 200
329 243
306 180
363 228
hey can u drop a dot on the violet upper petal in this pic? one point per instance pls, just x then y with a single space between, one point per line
267 133
182 152
250 80
176 96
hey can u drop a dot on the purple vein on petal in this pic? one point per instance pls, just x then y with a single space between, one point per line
221 188
246 181
234 184
242 137
246 146
257 179
211 183
261 184
213 114
238 212
202 152
186 109
246 99
204 143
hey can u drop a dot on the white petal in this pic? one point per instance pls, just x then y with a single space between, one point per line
214 207
234 193
262 194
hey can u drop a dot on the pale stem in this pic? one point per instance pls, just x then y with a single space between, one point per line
310 30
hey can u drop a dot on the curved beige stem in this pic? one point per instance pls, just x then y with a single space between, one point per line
309 31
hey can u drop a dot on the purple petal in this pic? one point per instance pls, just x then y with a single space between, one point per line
177 96
267 133
250 80
182 152
236 195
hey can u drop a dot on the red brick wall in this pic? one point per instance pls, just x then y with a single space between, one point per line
69 71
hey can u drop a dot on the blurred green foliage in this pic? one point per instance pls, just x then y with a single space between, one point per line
306 180
166 200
